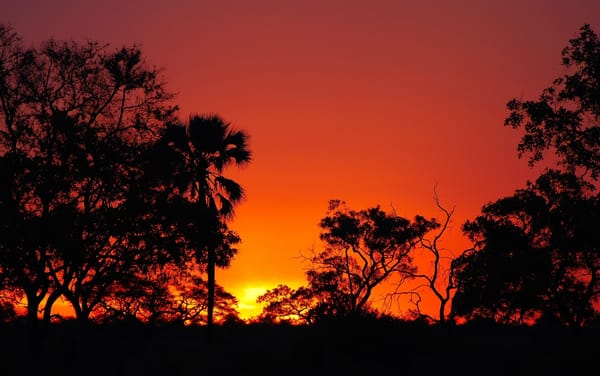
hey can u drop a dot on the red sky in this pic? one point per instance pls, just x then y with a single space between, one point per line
372 102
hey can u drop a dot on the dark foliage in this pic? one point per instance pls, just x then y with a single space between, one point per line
362 249
106 200
537 254
564 120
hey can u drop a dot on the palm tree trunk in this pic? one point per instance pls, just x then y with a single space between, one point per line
210 271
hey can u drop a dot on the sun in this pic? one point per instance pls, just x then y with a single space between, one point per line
247 305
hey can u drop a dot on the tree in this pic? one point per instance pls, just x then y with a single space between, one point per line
565 117
105 189
439 279
536 252
216 145
200 197
73 120
172 296
288 305
536 256
19 264
362 249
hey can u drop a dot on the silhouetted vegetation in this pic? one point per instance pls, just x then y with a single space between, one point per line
535 255
108 201
537 252
439 279
187 165
111 203
362 249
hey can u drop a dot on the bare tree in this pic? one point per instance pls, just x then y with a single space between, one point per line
439 279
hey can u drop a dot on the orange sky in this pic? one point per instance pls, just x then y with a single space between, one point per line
372 102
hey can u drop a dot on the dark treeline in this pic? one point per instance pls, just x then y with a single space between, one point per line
110 202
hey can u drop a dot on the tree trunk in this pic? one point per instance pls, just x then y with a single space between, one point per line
210 270
442 309
33 305
48 307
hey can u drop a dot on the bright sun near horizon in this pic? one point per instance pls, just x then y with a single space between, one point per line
247 305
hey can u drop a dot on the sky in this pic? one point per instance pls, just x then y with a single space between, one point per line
371 102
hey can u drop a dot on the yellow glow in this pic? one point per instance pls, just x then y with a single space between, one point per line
247 305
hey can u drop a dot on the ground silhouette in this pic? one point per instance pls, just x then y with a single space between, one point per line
329 348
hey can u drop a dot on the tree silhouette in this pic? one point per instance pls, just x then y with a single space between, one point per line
187 165
106 192
284 304
564 119
19 263
216 146
536 252
173 295
439 278
536 255
73 122
362 249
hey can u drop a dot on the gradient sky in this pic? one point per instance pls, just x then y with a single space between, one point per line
372 102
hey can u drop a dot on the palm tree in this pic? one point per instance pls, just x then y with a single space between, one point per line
214 146
193 199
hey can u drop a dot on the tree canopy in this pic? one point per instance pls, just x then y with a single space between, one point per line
536 252
361 250
565 118
101 185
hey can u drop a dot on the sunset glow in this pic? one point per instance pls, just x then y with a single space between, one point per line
247 301
373 103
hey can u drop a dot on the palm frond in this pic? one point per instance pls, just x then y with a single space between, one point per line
240 156
226 209
237 138
207 133
234 191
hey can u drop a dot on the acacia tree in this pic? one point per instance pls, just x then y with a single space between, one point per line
284 304
362 249
536 252
73 120
365 247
